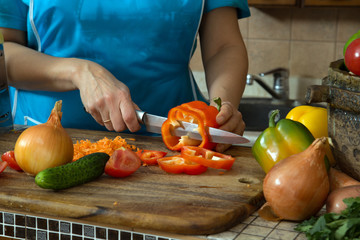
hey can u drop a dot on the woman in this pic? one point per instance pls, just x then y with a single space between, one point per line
113 57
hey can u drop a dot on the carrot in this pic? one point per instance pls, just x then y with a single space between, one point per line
339 179
85 147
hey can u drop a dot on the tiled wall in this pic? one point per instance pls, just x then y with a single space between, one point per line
304 40
20 226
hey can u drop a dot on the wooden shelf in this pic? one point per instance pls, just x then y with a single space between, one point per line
330 3
272 2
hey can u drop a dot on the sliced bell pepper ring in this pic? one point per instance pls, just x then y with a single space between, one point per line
9 157
207 157
177 164
3 165
195 112
150 157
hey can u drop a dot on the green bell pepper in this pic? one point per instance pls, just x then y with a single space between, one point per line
280 141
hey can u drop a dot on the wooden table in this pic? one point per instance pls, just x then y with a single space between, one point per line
150 199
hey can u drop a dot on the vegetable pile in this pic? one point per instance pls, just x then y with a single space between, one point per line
47 152
300 180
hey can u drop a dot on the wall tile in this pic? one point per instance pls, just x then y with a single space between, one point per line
348 23
265 55
314 24
339 50
270 23
244 27
311 59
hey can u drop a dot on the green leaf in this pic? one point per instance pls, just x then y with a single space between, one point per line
345 225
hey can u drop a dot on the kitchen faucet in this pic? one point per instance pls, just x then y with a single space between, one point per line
280 88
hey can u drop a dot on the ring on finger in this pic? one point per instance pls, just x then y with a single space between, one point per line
106 121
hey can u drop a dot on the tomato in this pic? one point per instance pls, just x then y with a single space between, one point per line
3 165
177 164
207 157
122 163
150 157
9 157
352 38
352 57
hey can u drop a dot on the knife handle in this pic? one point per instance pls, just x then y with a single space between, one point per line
140 116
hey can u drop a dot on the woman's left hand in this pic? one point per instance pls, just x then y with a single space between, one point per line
230 119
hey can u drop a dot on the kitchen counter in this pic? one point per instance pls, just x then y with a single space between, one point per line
220 204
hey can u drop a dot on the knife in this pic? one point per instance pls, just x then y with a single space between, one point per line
153 124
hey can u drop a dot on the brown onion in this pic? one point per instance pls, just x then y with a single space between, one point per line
339 179
296 188
335 201
45 145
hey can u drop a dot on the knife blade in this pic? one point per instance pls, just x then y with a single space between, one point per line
153 124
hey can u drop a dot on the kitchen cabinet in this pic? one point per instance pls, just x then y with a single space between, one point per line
272 2
338 3
304 3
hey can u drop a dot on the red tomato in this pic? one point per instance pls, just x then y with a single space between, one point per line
3 165
177 164
9 157
122 163
352 57
150 157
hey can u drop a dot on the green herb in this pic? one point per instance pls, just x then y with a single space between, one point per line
344 226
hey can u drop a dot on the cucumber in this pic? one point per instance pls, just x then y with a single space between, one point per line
72 174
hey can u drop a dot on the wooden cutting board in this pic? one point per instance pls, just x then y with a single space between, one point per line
149 199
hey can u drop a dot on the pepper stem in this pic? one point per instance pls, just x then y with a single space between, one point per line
272 118
217 100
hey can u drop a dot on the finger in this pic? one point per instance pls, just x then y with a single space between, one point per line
117 120
129 116
96 115
226 112
107 121
222 147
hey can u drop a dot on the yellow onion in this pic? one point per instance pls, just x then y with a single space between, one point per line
45 145
297 187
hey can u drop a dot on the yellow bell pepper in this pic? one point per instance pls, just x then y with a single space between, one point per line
315 119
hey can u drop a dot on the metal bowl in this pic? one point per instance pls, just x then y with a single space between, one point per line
341 91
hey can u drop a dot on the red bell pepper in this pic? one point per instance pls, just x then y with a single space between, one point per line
3 165
9 157
177 164
150 157
207 157
195 112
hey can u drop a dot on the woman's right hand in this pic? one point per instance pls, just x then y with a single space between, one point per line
106 98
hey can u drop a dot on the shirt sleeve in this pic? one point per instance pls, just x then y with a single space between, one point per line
13 14
241 5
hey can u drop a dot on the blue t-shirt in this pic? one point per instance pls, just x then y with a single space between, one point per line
145 44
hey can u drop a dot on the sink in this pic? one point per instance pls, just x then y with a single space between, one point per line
256 111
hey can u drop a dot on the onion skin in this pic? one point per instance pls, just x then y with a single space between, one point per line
335 202
45 145
297 187
339 179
